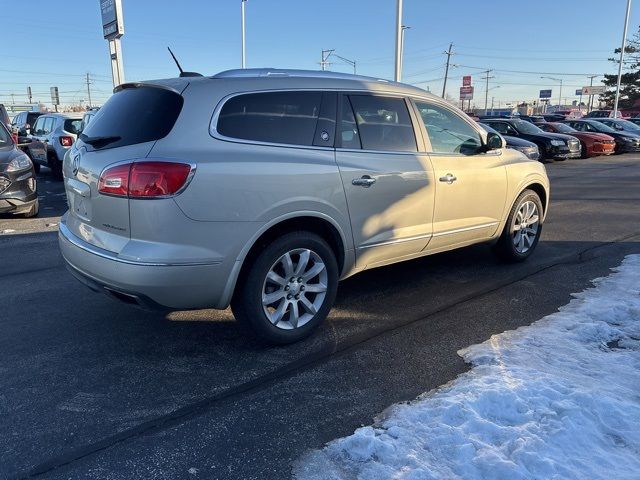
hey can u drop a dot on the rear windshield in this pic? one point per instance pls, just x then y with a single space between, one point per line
134 115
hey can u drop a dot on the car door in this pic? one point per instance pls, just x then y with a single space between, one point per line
389 186
471 183
37 147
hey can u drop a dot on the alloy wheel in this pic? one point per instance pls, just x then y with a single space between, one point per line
294 289
525 226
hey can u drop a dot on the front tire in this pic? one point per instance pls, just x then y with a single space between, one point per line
289 288
522 230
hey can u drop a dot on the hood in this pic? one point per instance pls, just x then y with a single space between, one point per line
603 137
548 136
518 142
7 154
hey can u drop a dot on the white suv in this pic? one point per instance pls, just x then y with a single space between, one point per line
52 135
262 188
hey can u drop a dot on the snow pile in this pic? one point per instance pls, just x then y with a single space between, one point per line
559 399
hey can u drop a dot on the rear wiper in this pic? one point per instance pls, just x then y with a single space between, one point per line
99 141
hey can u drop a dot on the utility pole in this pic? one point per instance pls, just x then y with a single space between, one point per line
244 57
325 56
624 45
29 94
590 106
486 93
13 100
448 53
398 68
89 90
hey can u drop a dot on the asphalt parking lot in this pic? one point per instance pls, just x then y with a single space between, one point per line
90 388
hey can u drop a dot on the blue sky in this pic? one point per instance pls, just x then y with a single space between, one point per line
61 41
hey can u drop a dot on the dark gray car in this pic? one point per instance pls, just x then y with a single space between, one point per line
17 179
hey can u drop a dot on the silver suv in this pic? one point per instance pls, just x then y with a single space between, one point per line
262 188
52 135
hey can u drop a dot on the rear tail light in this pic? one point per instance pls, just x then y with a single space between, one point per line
146 179
66 141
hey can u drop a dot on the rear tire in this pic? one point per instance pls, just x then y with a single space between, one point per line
522 230
55 165
36 167
289 288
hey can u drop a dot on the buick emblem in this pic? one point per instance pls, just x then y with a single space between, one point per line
75 165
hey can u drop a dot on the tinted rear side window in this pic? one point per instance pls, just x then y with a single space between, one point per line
383 123
274 117
72 126
136 115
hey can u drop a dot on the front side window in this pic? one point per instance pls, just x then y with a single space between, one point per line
448 132
38 129
273 117
383 123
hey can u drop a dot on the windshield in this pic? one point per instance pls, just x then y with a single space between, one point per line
488 128
527 127
627 125
562 128
5 138
601 127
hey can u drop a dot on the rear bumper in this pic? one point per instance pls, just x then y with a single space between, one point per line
150 285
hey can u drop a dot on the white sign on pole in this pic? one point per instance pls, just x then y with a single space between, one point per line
596 90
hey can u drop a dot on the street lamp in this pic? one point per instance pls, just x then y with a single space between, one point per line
559 96
624 41
244 58
402 29
398 73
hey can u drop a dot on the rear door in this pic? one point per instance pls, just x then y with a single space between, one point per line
388 184
471 186
125 129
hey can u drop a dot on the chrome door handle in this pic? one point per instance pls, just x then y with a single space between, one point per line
448 178
365 181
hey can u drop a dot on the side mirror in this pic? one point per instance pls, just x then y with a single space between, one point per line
619 127
494 141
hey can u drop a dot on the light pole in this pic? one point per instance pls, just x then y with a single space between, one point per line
402 29
492 97
398 67
559 96
244 57
624 44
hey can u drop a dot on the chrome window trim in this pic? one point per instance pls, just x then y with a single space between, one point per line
213 131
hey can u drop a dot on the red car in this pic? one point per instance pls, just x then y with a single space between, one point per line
593 144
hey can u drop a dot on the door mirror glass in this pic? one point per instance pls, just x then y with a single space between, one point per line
494 141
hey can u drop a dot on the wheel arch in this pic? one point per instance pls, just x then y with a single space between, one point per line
316 222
